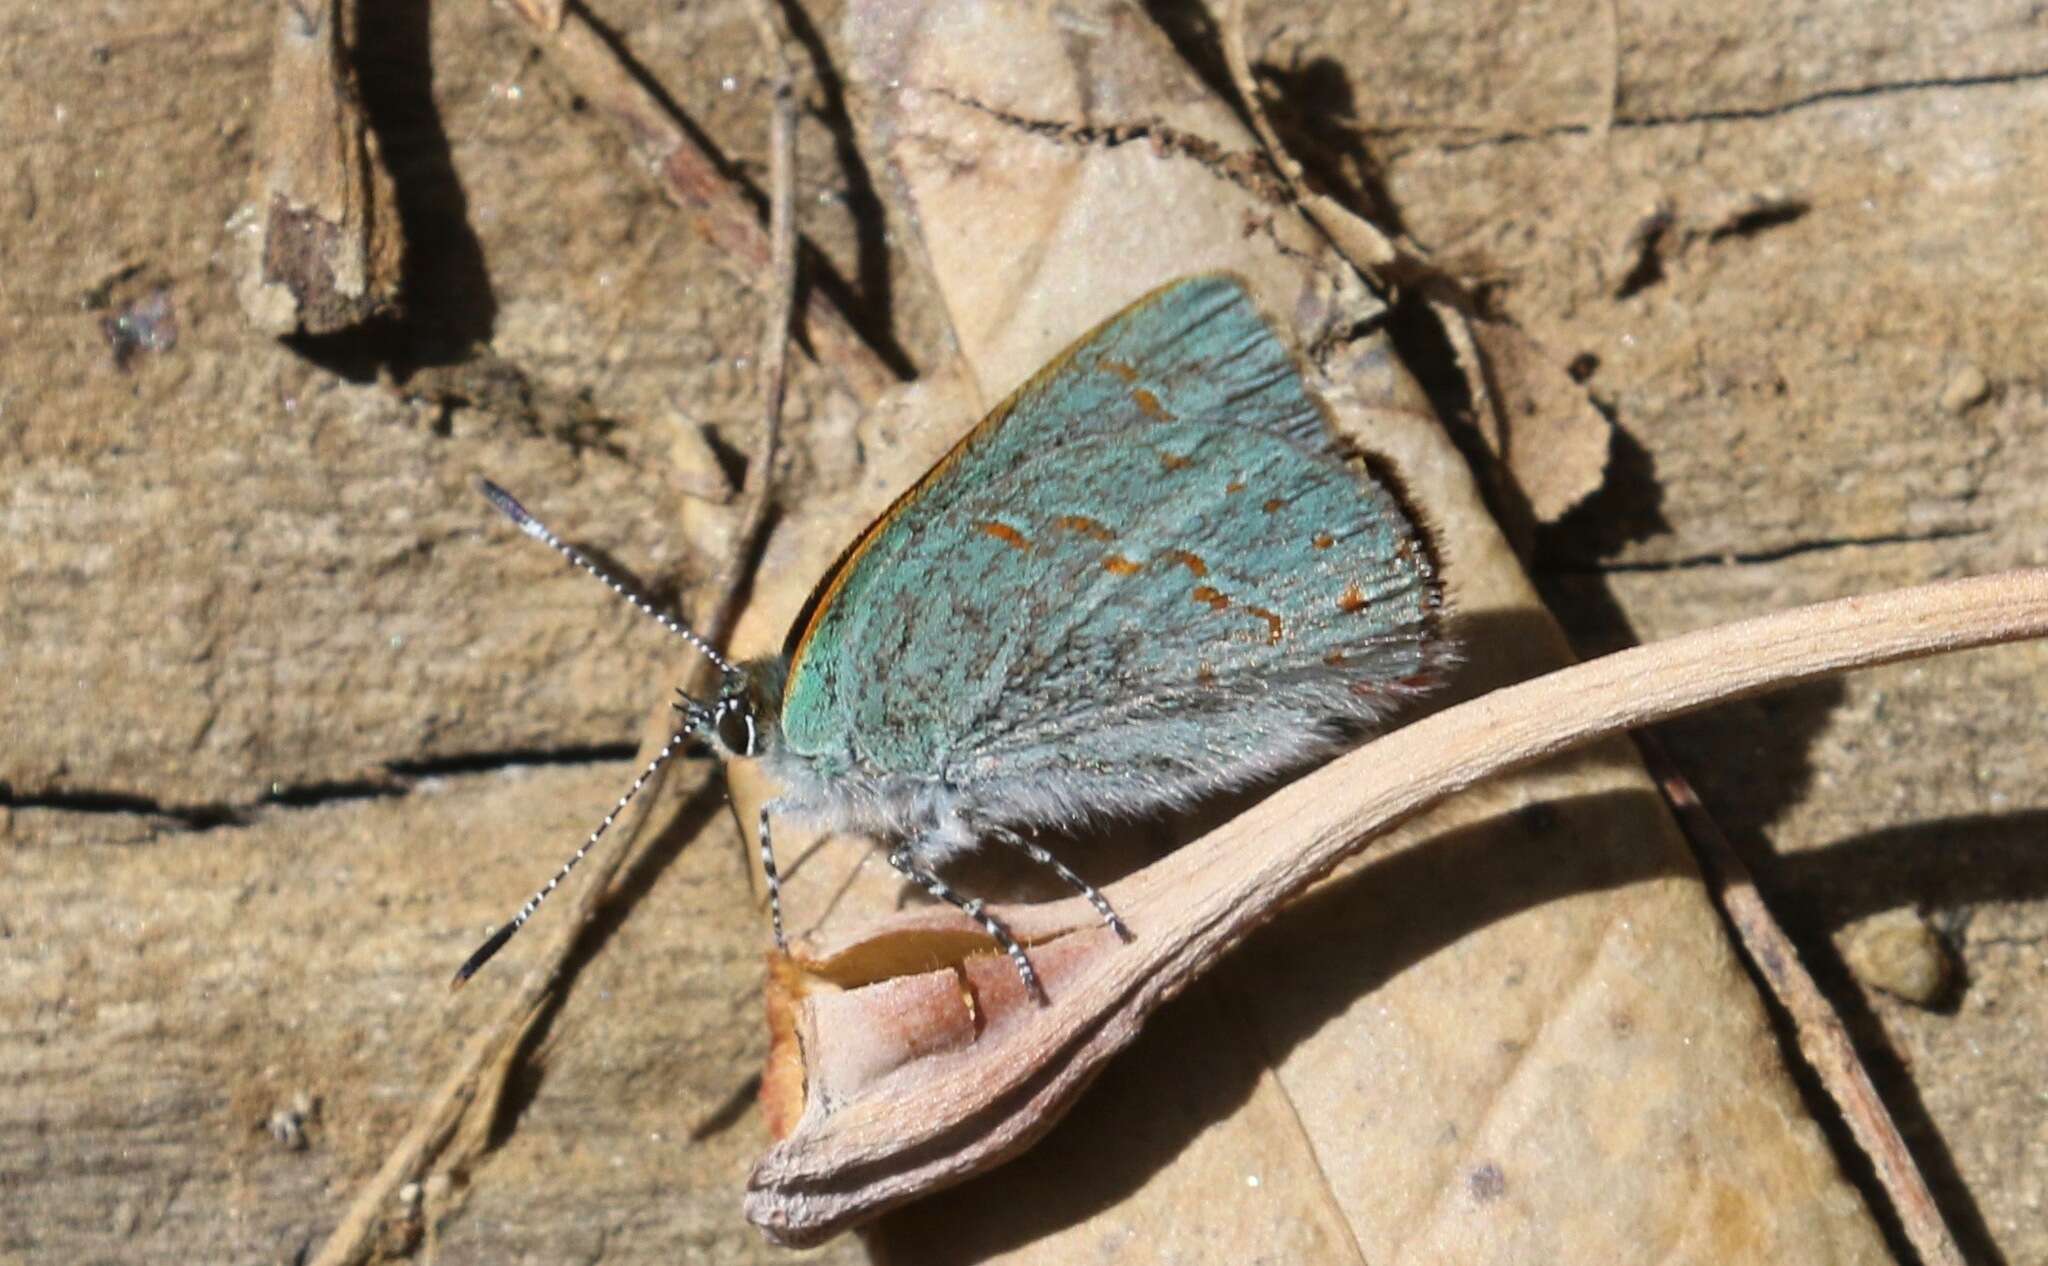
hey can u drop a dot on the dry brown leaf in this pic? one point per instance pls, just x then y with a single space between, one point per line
919 1057
1519 1035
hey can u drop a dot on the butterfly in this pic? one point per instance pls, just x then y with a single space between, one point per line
1151 575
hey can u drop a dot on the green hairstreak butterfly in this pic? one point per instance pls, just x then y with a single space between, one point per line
1151 575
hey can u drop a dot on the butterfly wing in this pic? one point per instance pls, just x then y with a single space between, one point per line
1147 575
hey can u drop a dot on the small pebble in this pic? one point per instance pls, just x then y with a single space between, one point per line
288 1124
1897 952
1967 389
288 1128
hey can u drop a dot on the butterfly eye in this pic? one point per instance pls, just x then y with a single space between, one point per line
735 727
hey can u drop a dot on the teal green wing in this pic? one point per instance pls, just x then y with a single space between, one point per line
1153 538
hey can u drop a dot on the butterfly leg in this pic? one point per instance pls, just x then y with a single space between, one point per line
774 881
904 861
1037 853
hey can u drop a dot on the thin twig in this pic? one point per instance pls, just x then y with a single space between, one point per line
691 179
453 1127
1822 1038
899 1099
431 1131
780 292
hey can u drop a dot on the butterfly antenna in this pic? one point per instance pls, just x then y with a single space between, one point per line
509 506
490 947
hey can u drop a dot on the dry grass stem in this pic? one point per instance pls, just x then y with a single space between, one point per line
781 297
692 180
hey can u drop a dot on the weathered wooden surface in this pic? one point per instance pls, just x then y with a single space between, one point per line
234 568
1840 401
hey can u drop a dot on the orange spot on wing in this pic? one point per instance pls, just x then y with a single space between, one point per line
1148 404
829 587
1205 675
1004 533
1193 562
1275 626
821 599
1335 659
1121 566
1216 599
1274 503
1324 540
1353 601
1235 485
1174 461
1086 526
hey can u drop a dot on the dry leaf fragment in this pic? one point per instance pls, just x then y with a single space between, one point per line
1534 417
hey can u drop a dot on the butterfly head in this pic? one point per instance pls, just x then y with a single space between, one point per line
740 722
737 722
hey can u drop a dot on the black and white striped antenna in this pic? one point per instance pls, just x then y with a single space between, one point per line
509 506
696 715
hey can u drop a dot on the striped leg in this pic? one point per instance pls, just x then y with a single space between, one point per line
1037 853
774 882
900 858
